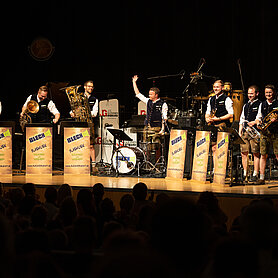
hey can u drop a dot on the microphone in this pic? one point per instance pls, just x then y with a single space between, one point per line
108 125
203 60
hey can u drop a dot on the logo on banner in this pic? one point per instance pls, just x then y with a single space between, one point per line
178 139
202 141
5 134
77 136
39 136
223 141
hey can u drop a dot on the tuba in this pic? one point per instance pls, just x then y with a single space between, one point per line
267 121
79 104
32 107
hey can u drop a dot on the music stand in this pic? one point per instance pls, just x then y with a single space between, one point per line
119 135
235 140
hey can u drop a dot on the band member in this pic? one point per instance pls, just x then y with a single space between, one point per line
46 107
155 121
156 108
247 118
270 137
219 109
0 108
93 104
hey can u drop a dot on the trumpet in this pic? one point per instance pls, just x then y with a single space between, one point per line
251 131
32 107
267 121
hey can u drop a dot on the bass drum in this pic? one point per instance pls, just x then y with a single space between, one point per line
127 158
238 100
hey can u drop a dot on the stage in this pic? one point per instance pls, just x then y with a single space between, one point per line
127 182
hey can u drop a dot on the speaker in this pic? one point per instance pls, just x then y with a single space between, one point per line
184 122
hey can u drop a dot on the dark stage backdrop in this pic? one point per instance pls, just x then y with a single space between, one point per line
109 41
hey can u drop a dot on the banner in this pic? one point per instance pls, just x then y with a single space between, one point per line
77 150
5 150
38 150
220 158
201 153
108 118
176 156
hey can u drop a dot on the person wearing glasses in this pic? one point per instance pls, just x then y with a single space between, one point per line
93 104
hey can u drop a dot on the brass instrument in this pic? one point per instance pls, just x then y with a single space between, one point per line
32 107
251 131
212 114
267 121
79 104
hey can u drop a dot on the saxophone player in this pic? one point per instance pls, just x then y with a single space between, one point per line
270 137
93 104
219 109
247 119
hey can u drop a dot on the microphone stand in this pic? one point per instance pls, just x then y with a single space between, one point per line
192 80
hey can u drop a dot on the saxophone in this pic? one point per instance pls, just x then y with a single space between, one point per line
32 107
267 121
212 114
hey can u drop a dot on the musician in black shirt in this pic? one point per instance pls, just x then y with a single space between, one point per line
247 121
219 109
270 136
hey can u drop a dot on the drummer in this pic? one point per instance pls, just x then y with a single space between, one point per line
157 110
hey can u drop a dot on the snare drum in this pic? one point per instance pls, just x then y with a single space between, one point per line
128 158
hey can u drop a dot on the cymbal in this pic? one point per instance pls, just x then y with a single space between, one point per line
168 98
201 98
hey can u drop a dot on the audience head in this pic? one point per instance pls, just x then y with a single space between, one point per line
98 192
140 191
126 203
29 189
51 194
63 191
85 202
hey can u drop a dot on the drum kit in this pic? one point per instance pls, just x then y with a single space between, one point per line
147 159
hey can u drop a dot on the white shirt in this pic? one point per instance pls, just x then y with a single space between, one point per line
242 116
228 105
51 106
164 108
94 110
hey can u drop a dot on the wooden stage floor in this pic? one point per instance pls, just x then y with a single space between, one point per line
126 183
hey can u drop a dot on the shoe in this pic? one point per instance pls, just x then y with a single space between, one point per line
94 170
260 182
244 179
253 178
